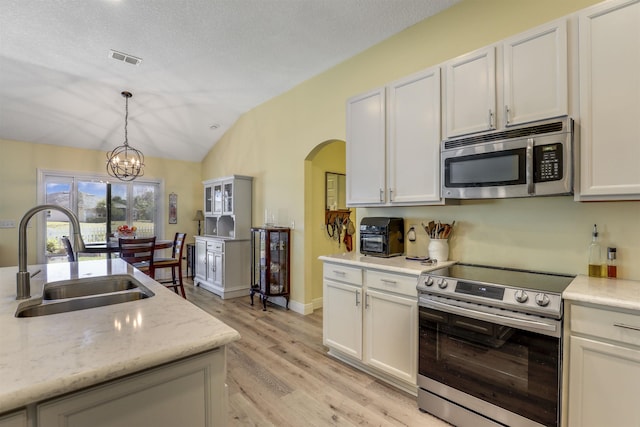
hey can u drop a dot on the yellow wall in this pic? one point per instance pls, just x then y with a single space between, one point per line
271 142
19 162
329 157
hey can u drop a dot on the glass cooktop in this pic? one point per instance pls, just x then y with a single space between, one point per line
539 281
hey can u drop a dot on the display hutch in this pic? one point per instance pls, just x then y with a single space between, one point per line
270 257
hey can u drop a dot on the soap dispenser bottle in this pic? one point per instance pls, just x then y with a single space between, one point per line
595 255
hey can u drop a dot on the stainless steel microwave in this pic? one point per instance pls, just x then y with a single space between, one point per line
530 160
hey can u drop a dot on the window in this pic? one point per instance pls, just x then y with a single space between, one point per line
101 206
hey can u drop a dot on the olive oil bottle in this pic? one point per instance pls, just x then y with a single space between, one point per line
595 255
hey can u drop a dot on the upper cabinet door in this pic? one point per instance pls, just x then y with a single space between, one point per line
366 149
535 74
217 198
414 138
610 101
471 93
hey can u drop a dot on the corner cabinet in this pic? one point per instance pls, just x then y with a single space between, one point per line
393 143
270 260
604 367
370 321
610 101
222 266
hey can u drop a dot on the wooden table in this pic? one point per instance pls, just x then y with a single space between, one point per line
111 247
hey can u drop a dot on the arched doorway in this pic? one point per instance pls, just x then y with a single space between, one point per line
328 156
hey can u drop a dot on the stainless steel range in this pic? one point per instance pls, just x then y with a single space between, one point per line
490 345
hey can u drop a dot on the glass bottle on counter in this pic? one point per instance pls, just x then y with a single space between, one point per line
612 268
595 255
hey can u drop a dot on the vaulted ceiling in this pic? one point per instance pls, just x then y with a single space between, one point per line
204 63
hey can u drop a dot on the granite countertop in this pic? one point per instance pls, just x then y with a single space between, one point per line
616 293
46 356
397 264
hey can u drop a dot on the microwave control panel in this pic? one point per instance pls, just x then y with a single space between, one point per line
547 162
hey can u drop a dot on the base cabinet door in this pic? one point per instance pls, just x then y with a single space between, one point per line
342 318
391 334
191 392
201 260
15 419
604 384
218 268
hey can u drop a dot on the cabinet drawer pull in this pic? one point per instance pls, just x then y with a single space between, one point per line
339 273
389 282
357 299
366 301
622 325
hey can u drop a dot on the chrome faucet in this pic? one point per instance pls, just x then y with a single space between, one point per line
23 278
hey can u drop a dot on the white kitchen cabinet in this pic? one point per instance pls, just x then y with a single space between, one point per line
392 345
413 151
227 206
223 266
371 321
365 149
535 77
609 38
15 419
530 83
393 143
190 392
604 367
470 94
342 318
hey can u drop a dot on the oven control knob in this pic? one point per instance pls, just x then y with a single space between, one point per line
542 300
429 281
521 296
442 283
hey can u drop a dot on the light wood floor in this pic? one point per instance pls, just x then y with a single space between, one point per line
279 373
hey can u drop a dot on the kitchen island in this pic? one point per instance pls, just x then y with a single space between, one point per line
138 342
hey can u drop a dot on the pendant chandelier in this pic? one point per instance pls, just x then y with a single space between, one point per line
125 162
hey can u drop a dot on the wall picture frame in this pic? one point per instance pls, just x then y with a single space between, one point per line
173 208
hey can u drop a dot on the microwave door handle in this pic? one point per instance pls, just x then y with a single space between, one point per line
529 167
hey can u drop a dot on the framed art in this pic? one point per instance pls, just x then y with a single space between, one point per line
173 208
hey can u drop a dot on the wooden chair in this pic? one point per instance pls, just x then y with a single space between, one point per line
175 262
139 253
71 257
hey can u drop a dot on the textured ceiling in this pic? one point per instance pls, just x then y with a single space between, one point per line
204 62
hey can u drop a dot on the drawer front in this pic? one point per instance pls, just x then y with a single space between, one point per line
397 283
608 324
342 273
215 246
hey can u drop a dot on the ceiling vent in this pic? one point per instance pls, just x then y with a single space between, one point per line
124 57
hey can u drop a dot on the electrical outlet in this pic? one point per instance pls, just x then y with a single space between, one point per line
7 223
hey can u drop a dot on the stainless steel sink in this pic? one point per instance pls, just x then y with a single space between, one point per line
90 286
74 304
81 294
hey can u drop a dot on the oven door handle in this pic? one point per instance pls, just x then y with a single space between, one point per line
531 325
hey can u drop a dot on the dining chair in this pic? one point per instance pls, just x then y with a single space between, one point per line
71 257
174 263
139 253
